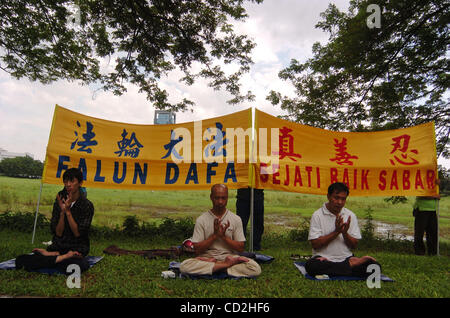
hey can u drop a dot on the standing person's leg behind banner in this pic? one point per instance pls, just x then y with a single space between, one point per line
243 210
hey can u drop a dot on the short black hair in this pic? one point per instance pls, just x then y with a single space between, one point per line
73 173
338 187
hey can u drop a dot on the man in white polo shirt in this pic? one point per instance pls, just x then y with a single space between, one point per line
218 238
334 233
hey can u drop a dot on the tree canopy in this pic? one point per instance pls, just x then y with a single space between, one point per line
369 78
21 167
143 40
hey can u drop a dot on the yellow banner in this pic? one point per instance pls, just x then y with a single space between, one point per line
307 159
287 156
191 155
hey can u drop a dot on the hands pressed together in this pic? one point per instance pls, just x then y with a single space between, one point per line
220 229
341 226
64 203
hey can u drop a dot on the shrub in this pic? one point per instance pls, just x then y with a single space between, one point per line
179 229
22 221
149 229
300 234
169 228
368 231
131 225
104 231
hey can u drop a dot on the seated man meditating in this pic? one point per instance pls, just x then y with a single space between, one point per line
333 233
70 224
218 237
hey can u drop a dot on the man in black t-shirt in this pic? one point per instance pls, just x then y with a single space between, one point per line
70 224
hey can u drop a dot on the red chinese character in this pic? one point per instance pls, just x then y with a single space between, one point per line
287 145
401 144
342 156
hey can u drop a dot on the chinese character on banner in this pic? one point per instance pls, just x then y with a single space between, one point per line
401 145
170 147
218 146
88 138
342 156
287 145
129 146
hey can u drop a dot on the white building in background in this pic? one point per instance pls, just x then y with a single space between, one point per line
6 154
164 117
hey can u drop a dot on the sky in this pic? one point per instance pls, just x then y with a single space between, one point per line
281 29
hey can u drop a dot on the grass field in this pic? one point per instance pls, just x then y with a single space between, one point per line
282 210
135 276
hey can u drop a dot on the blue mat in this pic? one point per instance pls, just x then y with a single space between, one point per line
301 267
259 258
11 264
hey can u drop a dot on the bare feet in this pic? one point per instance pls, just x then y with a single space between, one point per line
68 255
45 252
355 261
235 260
228 262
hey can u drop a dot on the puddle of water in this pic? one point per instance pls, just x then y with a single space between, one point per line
283 224
393 231
382 230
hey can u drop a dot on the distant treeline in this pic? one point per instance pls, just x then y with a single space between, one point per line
22 167
27 167
444 177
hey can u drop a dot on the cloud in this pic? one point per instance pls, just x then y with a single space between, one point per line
285 29
281 29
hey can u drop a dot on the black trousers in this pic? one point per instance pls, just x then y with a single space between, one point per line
425 222
243 211
314 267
35 261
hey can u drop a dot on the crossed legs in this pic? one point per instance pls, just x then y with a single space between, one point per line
352 266
234 265
45 259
